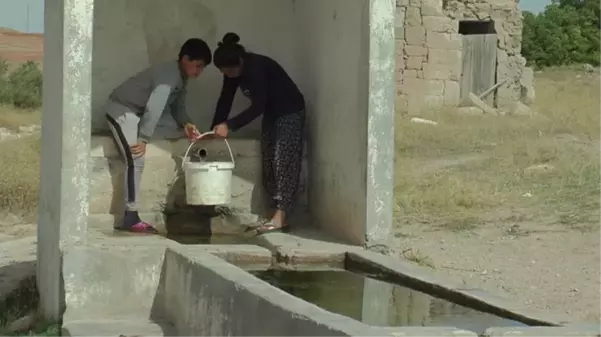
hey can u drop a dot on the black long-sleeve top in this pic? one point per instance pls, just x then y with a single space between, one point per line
266 83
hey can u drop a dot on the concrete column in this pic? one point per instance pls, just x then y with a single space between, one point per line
380 121
63 203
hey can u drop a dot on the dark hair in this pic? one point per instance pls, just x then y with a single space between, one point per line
196 50
229 51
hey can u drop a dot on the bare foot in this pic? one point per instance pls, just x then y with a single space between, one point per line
278 218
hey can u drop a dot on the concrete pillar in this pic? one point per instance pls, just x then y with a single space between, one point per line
350 118
63 203
380 121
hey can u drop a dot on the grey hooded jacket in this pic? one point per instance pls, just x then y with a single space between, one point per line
149 93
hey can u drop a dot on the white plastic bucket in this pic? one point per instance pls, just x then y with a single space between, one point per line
208 183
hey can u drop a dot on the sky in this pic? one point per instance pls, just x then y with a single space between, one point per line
24 15
28 15
534 6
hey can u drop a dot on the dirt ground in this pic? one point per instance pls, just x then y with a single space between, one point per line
541 265
17 47
510 204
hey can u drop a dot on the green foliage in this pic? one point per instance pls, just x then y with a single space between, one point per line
566 32
5 92
21 87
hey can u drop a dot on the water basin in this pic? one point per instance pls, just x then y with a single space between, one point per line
378 303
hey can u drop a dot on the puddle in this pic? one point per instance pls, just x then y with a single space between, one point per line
215 239
379 303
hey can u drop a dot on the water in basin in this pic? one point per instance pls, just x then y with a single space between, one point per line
378 303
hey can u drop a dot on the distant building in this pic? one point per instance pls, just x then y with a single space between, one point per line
447 49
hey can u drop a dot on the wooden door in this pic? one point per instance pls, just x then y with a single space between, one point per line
479 66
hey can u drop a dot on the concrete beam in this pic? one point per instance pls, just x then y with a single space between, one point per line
63 203
380 121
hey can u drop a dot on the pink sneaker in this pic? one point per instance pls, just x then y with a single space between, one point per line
142 227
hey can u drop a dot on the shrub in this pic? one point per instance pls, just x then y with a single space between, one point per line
5 94
566 32
21 87
26 86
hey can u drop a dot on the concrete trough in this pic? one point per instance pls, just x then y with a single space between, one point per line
208 289
207 296
306 249
198 290
173 289
403 272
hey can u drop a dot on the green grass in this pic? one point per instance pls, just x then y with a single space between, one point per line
23 301
471 170
19 303
45 330
19 180
12 118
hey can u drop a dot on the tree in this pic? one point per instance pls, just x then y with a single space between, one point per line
566 32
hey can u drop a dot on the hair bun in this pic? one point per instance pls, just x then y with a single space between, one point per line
229 38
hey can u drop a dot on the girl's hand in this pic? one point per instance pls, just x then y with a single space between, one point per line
138 149
221 130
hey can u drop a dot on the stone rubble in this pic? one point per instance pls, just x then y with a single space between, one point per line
26 130
429 52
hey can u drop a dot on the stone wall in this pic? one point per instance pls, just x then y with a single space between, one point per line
429 52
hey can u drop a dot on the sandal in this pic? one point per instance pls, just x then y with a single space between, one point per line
254 225
269 227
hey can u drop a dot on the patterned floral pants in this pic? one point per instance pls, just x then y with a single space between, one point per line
282 152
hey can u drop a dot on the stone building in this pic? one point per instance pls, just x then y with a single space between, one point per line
449 48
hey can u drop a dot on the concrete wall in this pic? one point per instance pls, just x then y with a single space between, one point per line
334 57
131 35
163 183
155 31
324 46
97 279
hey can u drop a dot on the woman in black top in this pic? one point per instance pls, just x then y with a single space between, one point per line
277 98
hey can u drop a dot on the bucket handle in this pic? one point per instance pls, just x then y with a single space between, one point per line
186 158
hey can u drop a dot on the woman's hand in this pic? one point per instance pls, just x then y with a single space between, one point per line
191 132
221 130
